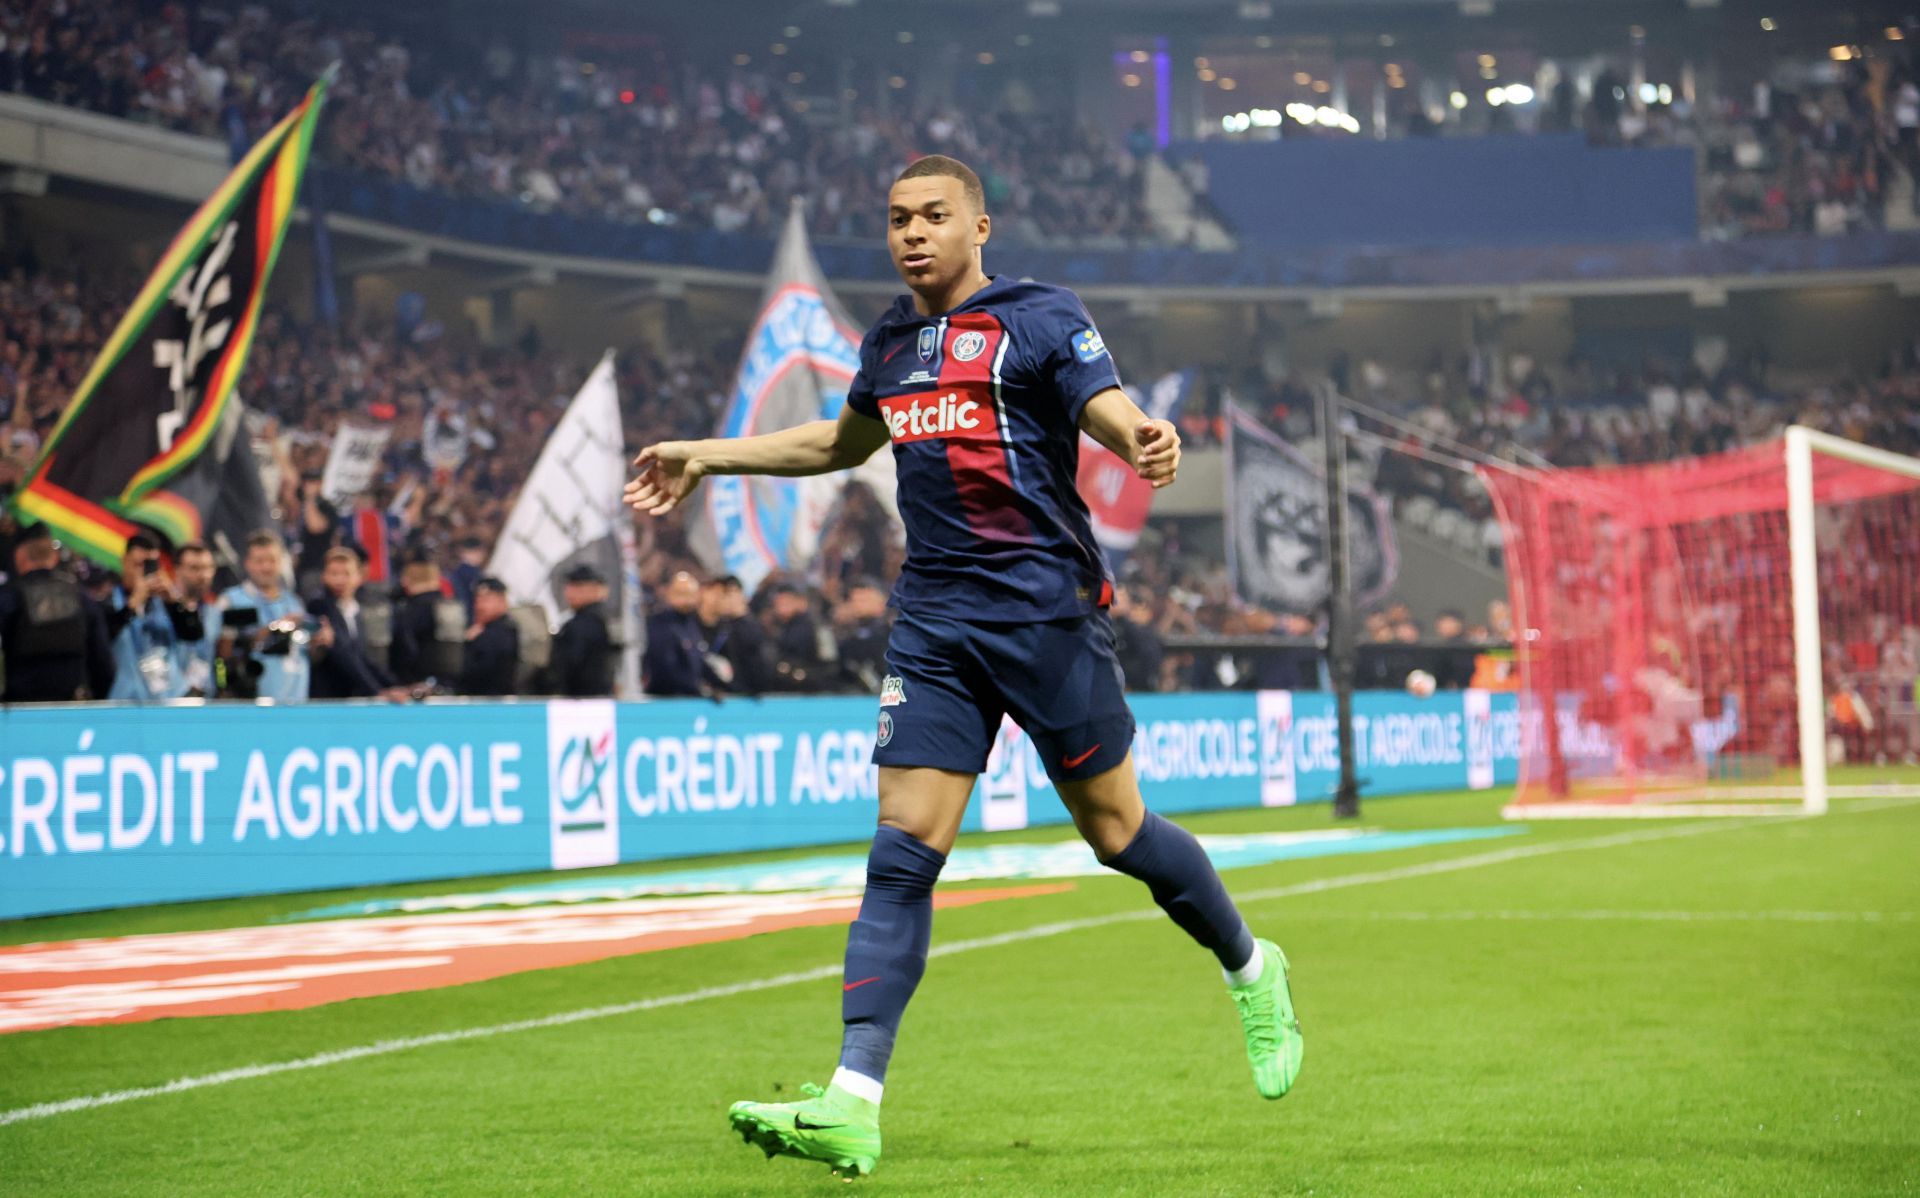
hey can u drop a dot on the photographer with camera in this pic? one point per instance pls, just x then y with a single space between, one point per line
271 627
198 657
148 623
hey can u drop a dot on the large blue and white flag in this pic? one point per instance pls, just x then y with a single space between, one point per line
800 356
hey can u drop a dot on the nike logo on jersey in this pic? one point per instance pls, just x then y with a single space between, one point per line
1074 762
896 349
858 984
928 414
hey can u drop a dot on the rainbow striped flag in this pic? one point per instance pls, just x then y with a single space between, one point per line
131 450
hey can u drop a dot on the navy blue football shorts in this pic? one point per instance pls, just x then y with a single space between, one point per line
948 683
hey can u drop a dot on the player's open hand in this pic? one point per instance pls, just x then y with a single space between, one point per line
1159 457
668 473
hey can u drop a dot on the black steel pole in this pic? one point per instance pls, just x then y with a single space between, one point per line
1340 664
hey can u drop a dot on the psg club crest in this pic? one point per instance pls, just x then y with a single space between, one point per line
929 338
886 728
967 346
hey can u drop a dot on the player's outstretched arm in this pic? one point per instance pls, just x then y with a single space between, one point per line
1151 447
670 470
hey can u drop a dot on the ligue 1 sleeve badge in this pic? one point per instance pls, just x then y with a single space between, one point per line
968 346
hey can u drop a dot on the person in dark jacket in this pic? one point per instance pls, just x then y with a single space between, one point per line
736 660
411 659
342 669
52 634
1136 643
492 656
582 663
861 628
676 648
795 640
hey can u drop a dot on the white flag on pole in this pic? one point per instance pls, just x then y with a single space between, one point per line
570 512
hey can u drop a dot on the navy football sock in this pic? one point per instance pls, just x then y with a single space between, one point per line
886 948
1175 868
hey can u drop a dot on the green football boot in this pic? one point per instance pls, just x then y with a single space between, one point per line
828 1125
1274 1043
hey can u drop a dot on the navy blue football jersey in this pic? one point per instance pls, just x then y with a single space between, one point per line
983 406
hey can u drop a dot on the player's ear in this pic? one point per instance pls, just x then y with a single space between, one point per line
982 229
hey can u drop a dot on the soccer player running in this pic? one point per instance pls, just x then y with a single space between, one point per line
983 385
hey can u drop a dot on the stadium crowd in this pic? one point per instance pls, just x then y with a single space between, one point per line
465 425
669 142
467 422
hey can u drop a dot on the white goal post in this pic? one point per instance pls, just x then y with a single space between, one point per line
1676 657
1804 577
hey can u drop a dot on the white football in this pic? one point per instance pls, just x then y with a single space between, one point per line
1420 684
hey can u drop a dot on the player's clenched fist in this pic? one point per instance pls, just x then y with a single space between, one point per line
1159 457
668 473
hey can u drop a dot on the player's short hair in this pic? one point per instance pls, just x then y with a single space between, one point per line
941 166
340 553
264 539
188 547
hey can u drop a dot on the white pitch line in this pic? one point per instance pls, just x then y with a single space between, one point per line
1608 916
378 1048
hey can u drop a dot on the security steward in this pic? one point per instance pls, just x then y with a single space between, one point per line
583 651
492 656
52 634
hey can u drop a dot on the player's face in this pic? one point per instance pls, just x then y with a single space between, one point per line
933 232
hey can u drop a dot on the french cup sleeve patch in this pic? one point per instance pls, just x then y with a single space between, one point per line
1088 346
1084 369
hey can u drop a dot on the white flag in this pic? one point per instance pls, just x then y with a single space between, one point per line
570 512
353 462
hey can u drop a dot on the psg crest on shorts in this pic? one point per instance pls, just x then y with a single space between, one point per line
967 346
929 338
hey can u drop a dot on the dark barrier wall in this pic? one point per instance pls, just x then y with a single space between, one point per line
1450 192
505 224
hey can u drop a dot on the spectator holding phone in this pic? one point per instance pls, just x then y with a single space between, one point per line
147 625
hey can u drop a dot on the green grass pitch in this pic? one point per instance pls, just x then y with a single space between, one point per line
1663 1008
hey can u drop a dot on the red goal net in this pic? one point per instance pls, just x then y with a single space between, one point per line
1654 616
